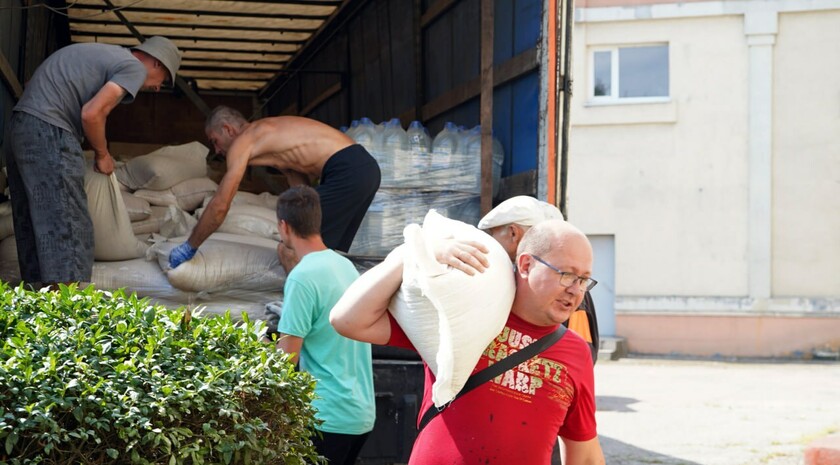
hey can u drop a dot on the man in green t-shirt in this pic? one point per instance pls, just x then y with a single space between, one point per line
342 367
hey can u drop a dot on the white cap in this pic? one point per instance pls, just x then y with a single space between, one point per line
521 209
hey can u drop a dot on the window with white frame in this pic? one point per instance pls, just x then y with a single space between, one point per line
631 72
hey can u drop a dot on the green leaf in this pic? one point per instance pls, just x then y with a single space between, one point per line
11 440
121 376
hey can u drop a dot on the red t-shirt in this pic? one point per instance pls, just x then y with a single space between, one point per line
516 417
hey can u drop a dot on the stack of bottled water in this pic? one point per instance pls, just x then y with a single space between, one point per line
420 173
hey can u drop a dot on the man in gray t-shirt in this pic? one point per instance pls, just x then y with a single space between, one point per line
68 99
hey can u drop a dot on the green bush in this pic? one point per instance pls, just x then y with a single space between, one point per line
95 377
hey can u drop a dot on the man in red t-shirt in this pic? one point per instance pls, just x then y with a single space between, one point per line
516 417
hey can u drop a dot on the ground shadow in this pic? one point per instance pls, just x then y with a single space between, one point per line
620 453
614 403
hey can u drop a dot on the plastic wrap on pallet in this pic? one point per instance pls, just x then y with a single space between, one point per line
392 209
406 169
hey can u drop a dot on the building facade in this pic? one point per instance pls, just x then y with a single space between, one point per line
705 165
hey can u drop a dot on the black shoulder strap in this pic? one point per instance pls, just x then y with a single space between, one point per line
497 369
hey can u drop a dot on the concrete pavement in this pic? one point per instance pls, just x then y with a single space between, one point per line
688 412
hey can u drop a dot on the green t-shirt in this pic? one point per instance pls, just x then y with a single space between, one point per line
342 367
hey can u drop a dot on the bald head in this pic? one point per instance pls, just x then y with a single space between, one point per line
547 252
552 235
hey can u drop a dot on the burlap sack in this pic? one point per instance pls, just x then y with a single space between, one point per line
164 167
186 195
113 235
249 220
266 199
224 262
152 224
138 209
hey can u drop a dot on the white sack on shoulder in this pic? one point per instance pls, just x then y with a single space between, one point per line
449 316
224 262
164 167
113 236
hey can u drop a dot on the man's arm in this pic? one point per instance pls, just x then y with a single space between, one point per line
94 114
582 452
217 209
362 312
291 345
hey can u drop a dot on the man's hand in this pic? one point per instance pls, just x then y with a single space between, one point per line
104 164
467 256
181 254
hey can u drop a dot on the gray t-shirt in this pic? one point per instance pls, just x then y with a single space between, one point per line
72 75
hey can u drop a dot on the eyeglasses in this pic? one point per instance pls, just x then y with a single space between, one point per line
567 279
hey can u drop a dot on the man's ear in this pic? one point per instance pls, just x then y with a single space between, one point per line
516 232
523 264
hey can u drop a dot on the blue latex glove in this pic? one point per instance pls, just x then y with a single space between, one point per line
181 254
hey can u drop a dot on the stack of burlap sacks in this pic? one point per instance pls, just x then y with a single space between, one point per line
150 205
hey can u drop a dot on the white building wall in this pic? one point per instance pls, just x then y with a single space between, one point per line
724 199
669 180
806 155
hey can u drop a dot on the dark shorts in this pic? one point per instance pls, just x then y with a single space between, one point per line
339 449
53 230
348 183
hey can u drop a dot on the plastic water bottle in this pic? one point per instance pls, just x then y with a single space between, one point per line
378 130
395 148
351 131
364 135
471 172
418 138
419 149
498 160
444 147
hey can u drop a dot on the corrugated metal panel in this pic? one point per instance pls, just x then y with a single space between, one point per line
525 93
381 71
527 27
243 38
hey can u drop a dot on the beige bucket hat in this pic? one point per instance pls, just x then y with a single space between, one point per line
164 51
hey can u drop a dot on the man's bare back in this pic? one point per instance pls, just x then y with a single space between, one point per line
299 147
292 143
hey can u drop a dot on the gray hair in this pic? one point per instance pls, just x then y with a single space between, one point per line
223 115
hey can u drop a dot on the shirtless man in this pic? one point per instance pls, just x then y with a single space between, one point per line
304 150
